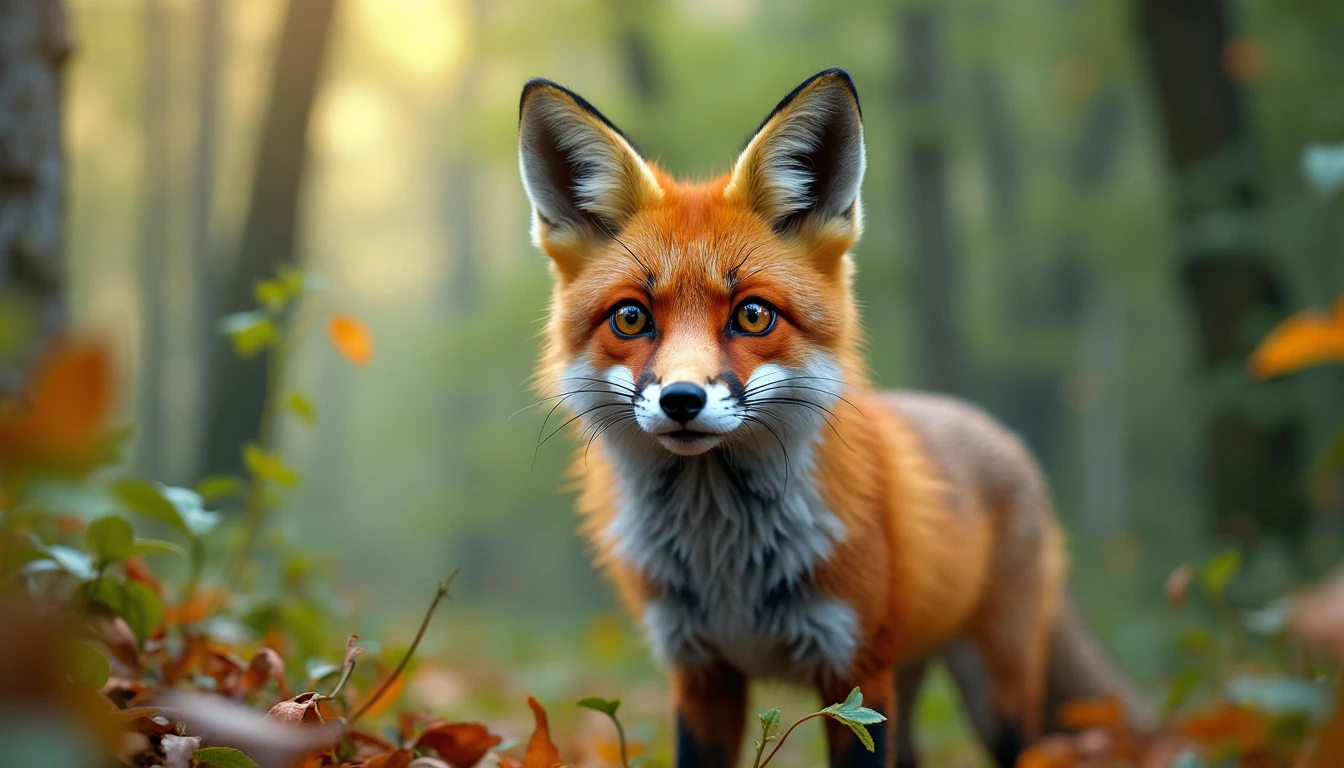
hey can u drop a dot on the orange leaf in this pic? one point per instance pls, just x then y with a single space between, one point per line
1327 745
1055 751
300 709
350 338
61 416
541 751
462 745
1227 725
1305 339
399 759
385 702
1091 713
266 665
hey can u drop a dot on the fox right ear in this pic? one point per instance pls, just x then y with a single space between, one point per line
583 177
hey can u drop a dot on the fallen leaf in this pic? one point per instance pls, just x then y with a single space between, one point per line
398 759
1227 725
1091 713
1326 749
1305 339
266 665
271 743
541 751
350 338
1055 751
300 709
461 744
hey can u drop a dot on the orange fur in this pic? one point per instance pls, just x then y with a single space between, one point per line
948 528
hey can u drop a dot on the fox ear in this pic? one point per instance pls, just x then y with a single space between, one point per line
583 177
804 166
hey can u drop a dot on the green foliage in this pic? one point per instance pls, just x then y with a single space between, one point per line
608 707
857 717
88 667
1219 572
224 757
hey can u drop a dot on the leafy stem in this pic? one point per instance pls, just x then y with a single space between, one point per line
410 652
850 713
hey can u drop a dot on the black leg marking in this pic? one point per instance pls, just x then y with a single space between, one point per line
1008 746
695 754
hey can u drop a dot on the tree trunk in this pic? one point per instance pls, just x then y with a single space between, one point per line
272 219
34 45
153 236
1254 461
926 195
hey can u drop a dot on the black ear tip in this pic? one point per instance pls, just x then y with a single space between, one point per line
533 85
840 75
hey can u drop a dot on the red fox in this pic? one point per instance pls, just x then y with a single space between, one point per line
762 510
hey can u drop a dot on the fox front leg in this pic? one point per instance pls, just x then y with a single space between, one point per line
711 709
843 747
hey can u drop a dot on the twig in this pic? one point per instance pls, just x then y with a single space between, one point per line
351 653
785 735
392 678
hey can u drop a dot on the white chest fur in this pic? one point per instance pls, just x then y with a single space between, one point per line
731 542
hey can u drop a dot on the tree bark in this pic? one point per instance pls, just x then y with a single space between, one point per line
270 234
926 194
1254 461
34 46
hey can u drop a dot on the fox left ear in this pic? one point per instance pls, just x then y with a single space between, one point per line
803 168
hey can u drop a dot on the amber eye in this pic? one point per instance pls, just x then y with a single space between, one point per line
753 317
630 320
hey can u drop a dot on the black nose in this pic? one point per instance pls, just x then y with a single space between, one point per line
682 400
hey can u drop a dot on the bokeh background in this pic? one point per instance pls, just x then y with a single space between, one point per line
1081 214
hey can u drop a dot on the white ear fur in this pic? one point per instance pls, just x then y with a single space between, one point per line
580 173
806 162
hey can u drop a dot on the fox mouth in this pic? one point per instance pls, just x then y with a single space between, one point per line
688 434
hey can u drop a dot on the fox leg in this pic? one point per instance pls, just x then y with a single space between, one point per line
844 748
909 676
1012 635
711 705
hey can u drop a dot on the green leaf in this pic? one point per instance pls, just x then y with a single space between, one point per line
605 706
156 547
291 279
1181 687
1220 571
271 294
72 561
770 720
214 487
225 757
857 717
299 404
88 667
266 465
144 498
131 600
251 332
196 519
110 538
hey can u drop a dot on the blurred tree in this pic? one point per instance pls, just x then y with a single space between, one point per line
210 63
153 234
926 194
238 387
1254 458
34 45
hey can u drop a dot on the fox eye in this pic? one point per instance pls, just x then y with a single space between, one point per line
630 319
753 317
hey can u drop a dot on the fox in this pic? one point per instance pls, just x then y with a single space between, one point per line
761 508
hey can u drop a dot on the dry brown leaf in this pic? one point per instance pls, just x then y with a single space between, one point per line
1082 714
398 759
461 744
541 751
266 665
1227 725
300 709
268 741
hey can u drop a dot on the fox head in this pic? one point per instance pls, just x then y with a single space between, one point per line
694 315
